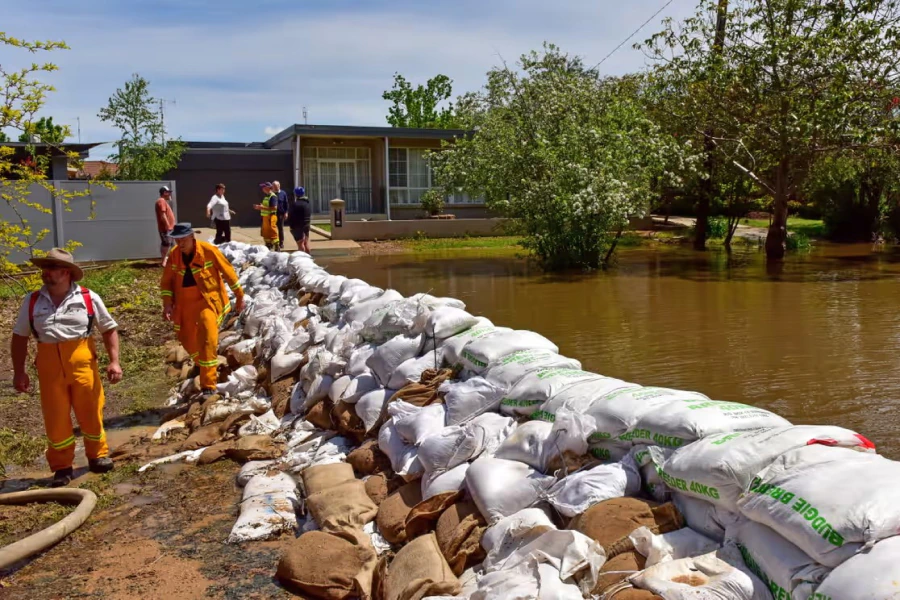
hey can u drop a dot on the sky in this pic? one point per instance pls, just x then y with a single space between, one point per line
231 70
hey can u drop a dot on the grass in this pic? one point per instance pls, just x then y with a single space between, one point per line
103 485
813 228
19 448
421 243
18 522
323 226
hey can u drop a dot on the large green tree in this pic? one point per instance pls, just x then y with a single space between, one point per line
795 80
45 131
567 155
421 106
144 153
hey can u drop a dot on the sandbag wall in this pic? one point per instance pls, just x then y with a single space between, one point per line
422 451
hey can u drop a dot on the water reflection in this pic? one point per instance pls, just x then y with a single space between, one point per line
816 340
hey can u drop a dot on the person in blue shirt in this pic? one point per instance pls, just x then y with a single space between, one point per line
282 211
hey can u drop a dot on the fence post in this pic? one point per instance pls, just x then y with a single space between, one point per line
57 208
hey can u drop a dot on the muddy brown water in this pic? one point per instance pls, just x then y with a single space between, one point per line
816 340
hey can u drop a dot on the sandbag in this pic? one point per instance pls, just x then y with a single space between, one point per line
368 459
447 321
403 456
322 477
380 486
719 575
323 565
615 571
338 388
454 346
509 370
268 508
674 545
359 312
830 502
424 515
481 353
588 397
536 387
342 507
577 492
870 575
356 365
394 510
544 446
318 391
391 354
705 517
371 407
347 423
611 522
244 352
465 400
422 422
504 487
439 482
458 532
410 371
358 387
282 365
785 569
419 571
720 467
456 444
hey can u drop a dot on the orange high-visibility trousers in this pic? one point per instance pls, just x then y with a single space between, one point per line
270 229
199 334
70 380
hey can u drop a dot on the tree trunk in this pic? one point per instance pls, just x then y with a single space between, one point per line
732 227
777 236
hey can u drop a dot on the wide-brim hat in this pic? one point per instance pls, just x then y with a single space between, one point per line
181 230
57 257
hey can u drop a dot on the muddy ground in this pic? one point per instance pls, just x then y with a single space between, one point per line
159 534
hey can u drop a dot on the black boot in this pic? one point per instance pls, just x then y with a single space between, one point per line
100 465
63 477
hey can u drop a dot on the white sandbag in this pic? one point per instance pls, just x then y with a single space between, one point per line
585 396
543 445
264 424
787 571
526 444
694 416
370 406
163 431
719 575
447 321
454 346
338 388
227 340
720 467
356 365
241 380
391 355
283 365
651 481
426 304
318 391
359 312
440 482
674 545
456 444
610 450
322 448
536 387
360 294
410 371
507 372
831 502
415 427
574 494
705 517
265 305
481 353
359 387
268 508
870 575
501 488
402 455
466 400
298 343
343 339
275 335
253 468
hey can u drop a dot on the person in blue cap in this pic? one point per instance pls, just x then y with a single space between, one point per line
299 218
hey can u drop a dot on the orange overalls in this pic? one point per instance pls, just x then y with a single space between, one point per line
269 214
200 310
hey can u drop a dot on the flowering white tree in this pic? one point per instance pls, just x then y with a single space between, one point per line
570 157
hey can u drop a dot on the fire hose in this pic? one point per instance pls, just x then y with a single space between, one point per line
86 501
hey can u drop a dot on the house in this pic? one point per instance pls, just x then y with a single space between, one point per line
380 172
91 169
57 167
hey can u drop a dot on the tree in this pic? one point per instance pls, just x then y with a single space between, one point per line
3 137
568 156
144 153
795 80
45 131
419 106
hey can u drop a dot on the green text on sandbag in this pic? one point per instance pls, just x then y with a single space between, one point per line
471 358
670 441
778 592
688 486
811 514
543 415
726 438
599 436
514 402
601 453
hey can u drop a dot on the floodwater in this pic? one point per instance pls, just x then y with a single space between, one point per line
816 340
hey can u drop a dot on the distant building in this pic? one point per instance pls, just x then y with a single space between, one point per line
92 169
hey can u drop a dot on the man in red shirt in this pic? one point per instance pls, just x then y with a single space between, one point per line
165 221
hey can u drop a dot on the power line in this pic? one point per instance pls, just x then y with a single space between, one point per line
633 33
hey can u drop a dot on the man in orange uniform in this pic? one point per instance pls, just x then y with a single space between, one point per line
195 299
269 211
61 316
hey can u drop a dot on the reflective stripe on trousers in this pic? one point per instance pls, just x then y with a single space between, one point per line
199 334
70 381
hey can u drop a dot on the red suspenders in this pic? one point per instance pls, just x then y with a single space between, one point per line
88 303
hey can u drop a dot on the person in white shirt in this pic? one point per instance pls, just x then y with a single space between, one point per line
218 211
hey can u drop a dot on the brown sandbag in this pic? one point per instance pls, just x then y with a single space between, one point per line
368 459
610 522
320 416
202 437
631 561
347 422
424 515
382 485
426 391
325 565
341 507
175 353
459 531
319 478
233 422
418 571
392 513
245 449
281 397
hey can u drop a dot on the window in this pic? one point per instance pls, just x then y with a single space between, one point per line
397 167
410 177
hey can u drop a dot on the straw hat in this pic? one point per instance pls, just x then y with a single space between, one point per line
57 257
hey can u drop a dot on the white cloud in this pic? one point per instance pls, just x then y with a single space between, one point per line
270 131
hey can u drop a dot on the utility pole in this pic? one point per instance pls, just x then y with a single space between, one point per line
706 189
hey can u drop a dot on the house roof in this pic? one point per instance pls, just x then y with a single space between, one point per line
93 168
363 131
55 149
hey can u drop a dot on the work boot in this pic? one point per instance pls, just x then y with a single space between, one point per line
100 465
208 392
63 477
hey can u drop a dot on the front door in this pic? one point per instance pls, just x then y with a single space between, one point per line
334 175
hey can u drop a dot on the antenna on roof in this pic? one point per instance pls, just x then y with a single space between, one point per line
304 115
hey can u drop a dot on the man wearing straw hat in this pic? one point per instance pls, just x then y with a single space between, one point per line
196 301
61 316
